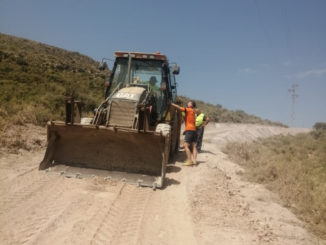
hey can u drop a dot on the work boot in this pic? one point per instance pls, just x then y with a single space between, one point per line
187 163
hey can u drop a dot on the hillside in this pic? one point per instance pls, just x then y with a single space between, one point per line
217 113
35 78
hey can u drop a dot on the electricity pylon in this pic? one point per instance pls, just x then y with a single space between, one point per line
294 95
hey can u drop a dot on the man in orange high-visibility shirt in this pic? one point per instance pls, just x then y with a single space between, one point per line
190 133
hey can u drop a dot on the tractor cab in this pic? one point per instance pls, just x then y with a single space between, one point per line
148 71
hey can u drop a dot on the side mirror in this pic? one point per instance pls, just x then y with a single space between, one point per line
175 69
103 65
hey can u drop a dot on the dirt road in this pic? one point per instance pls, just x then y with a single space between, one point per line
206 204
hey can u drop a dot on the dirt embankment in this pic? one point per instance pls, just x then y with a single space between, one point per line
205 204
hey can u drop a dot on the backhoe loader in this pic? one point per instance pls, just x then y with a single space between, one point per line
134 130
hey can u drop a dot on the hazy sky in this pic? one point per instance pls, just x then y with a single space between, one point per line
241 54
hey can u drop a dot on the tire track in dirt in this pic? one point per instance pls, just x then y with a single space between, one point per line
30 186
7 172
14 166
121 224
28 217
58 226
71 217
83 230
154 229
42 223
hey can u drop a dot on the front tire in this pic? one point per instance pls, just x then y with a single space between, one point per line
165 130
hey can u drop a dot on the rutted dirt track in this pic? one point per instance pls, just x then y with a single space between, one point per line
205 204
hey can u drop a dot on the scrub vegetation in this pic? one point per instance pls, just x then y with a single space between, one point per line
35 79
292 166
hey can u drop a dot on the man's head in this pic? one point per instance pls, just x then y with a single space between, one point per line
197 111
191 104
152 80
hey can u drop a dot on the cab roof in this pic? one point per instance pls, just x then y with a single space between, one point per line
139 55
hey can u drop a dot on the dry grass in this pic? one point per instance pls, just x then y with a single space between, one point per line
27 137
292 166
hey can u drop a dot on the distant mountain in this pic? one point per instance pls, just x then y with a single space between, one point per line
35 78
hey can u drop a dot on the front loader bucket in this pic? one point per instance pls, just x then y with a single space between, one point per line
107 148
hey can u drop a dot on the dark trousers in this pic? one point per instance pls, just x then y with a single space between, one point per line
200 134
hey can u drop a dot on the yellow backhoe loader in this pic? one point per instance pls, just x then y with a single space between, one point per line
134 130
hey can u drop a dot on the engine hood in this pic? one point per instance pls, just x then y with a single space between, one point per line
129 93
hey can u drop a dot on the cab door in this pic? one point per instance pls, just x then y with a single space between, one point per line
173 84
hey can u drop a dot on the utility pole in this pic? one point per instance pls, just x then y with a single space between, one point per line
294 95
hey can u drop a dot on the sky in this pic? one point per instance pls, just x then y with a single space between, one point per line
241 54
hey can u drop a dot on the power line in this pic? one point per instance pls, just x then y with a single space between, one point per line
294 95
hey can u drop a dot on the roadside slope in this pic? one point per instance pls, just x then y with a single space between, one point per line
230 210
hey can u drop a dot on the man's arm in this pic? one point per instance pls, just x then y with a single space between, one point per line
206 121
177 107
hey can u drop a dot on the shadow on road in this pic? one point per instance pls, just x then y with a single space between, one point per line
172 169
169 181
199 162
179 157
209 152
